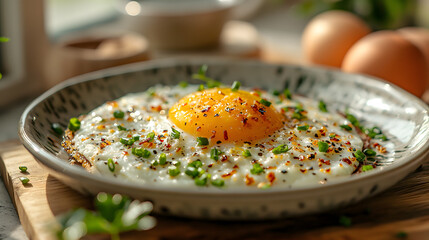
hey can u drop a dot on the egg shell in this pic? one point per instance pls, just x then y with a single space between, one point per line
389 56
328 37
420 38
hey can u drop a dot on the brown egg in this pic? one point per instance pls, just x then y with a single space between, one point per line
389 56
420 38
328 37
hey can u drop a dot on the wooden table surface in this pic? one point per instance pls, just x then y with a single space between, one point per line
402 209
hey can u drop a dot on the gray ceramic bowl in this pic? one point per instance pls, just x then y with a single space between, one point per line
403 117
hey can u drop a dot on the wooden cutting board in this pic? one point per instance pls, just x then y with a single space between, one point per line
403 208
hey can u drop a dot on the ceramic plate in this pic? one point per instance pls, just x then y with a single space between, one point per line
403 118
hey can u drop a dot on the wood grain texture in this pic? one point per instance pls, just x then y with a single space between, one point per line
403 208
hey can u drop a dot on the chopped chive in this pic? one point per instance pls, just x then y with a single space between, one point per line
56 127
353 120
287 93
202 181
246 153
23 169
323 146
155 163
203 69
141 152
298 115
24 180
173 172
151 136
265 186
276 93
265 102
175 134
280 149
202 141
367 168
196 164
235 86
303 128
212 83
346 127
111 165
381 137
201 87
162 159
183 84
118 114
120 128
214 154
322 106
369 152
332 135
4 39
345 221
192 171
360 156
218 182
256 169
74 124
130 141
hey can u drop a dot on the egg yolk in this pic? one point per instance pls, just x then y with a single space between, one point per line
224 115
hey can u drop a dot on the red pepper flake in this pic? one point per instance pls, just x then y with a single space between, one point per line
327 162
271 167
227 175
348 143
178 149
249 180
198 129
303 170
328 170
210 165
206 109
156 108
346 160
225 135
224 158
125 153
235 167
271 177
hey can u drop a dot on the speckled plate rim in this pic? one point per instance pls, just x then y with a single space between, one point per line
51 161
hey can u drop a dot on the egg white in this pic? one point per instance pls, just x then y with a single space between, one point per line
147 112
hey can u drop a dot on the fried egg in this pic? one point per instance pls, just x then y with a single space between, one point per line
218 137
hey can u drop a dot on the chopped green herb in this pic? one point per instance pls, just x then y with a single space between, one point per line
256 169
346 127
118 114
246 153
23 169
322 106
360 156
130 141
173 172
265 102
201 75
4 39
111 165
24 180
367 168
298 115
214 154
113 215
235 86
287 93
201 87
280 149
120 128
155 163
332 135
345 221
218 182
303 128
196 164
353 120
401 235
151 136
201 181
183 84
381 137
141 152
266 186
202 141
276 93
56 127
323 146
192 171
151 91
369 152
162 159
74 124
175 134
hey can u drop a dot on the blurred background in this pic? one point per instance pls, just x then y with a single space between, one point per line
48 41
